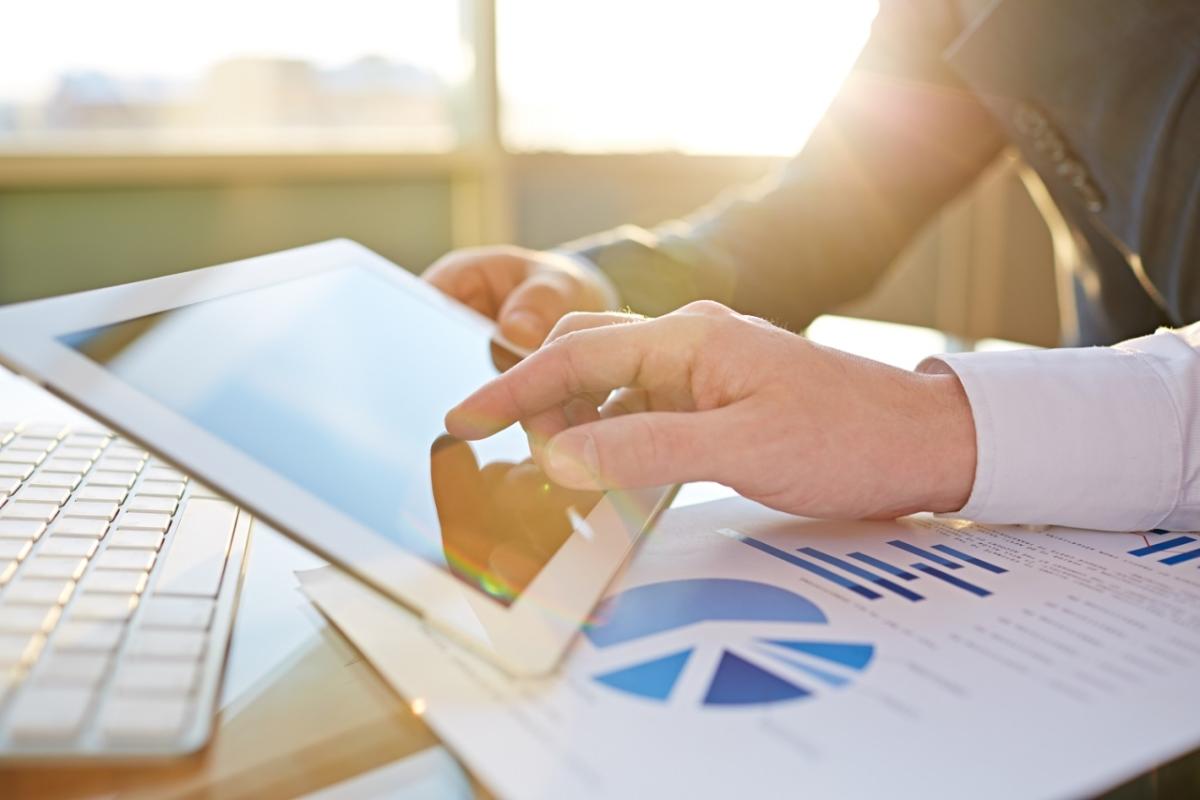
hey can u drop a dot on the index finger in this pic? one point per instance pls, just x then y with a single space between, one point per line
594 360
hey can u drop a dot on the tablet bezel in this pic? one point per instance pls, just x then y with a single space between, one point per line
527 637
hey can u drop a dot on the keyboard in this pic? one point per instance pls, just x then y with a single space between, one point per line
118 584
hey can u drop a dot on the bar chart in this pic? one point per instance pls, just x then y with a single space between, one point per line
1165 548
874 577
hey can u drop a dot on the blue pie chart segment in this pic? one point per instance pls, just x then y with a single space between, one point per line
750 670
659 607
854 656
653 679
737 682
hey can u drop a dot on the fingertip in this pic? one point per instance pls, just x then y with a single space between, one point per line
570 460
524 327
461 423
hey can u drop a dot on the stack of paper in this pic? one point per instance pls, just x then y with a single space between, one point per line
745 652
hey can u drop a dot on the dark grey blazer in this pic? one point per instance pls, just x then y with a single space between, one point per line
1101 97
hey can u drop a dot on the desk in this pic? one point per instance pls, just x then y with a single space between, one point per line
301 711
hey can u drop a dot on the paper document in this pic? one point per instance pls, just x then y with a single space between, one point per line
748 653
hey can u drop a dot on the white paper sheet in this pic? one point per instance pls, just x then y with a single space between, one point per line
1057 665
432 774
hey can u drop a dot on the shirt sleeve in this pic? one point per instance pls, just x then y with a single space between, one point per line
902 137
1105 438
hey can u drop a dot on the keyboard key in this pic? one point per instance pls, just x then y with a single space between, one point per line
73 668
112 607
93 510
126 559
19 509
145 521
196 558
165 474
79 439
55 479
52 431
88 454
77 526
89 635
69 546
44 494
128 718
7 570
8 486
202 490
15 549
38 444
118 450
162 488
49 712
20 648
118 581
28 619
161 505
38 591
111 494
194 613
138 676
74 466
21 528
52 567
147 540
108 477
120 464
185 645
18 471
29 457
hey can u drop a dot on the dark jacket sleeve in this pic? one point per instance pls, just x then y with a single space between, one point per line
901 138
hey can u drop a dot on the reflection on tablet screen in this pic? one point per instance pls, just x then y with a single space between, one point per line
339 382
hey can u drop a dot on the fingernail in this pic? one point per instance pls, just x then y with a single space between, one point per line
524 326
571 460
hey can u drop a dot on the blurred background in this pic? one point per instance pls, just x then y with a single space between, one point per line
139 137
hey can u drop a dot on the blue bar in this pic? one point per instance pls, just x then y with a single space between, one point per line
923 553
1159 530
862 573
1150 550
815 569
978 591
885 566
979 562
1179 558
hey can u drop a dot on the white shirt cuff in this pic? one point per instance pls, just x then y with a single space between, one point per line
1105 438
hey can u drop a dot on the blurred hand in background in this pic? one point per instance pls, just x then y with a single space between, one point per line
525 291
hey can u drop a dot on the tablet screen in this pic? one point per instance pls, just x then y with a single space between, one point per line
339 382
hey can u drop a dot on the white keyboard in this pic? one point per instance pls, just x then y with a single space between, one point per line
118 584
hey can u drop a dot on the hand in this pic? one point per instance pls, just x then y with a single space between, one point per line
525 291
707 394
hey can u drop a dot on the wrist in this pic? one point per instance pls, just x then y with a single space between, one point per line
949 444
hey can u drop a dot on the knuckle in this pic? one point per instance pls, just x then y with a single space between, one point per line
709 308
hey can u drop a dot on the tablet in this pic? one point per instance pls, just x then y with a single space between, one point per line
310 386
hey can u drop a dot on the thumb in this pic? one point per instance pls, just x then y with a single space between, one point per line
531 310
634 451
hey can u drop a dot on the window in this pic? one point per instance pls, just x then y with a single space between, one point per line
242 75
732 77
147 76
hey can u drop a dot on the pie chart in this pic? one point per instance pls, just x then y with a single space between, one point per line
728 642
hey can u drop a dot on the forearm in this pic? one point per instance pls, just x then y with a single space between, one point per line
900 140
1105 438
